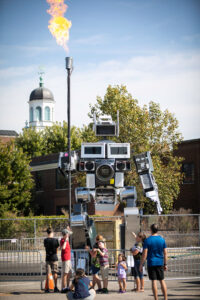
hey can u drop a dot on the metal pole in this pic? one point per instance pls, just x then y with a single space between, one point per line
69 63
35 234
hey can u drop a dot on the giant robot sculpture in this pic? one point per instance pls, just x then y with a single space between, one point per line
105 164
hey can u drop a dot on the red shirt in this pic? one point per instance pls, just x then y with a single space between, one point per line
65 253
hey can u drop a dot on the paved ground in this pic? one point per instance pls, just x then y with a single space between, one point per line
177 290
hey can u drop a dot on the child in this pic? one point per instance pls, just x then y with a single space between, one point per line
137 254
80 286
121 273
104 265
95 263
66 260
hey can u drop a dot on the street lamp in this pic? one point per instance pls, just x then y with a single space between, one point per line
69 68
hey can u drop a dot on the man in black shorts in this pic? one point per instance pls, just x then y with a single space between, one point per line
51 245
155 250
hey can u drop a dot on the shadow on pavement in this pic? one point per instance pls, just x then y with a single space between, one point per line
28 293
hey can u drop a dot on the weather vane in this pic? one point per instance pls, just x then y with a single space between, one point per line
41 73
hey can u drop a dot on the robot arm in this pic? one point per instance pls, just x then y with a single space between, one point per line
144 168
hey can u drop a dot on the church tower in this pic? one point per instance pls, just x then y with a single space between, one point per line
41 107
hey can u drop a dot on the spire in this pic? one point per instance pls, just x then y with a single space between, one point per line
41 73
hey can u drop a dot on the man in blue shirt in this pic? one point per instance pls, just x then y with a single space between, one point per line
155 250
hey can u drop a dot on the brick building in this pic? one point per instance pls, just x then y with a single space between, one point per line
7 135
51 188
189 197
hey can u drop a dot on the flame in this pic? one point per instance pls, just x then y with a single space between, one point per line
58 25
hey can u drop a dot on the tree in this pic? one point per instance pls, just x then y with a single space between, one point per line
56 138
50 140
31 142
15 180
146 128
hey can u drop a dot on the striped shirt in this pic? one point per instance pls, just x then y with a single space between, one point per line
104 259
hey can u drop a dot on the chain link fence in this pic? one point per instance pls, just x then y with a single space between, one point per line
178 230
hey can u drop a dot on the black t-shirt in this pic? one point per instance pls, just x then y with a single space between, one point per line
81 288
95 246
51 245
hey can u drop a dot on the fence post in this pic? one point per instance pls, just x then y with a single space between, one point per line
35 233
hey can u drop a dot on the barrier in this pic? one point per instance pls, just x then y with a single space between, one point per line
21 266
183 263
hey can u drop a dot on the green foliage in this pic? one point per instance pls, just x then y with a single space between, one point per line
51 140
56 138
88 135
15 180
146 129
31 142
13 227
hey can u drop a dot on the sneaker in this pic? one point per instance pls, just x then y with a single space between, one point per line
99 291
56 290
105 291
47 291
119 291
65 290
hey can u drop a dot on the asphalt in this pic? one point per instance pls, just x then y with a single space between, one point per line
177 290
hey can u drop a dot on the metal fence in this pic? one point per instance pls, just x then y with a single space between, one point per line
21 266
183 263
22 257
178 230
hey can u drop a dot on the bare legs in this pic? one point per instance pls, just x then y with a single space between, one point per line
55 277
122 284
65 280
154 289
105 283
96 280
139 284
163 288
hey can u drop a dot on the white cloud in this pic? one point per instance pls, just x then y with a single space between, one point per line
173 80
13 72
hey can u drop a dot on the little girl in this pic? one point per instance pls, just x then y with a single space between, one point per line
137 254
121 273
81 285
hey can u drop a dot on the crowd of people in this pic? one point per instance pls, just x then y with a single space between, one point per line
152 248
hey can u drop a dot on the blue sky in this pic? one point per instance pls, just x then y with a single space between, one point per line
151 46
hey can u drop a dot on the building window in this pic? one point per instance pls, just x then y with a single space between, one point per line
31 114
47 113
38 181
61 181
38 113
188 170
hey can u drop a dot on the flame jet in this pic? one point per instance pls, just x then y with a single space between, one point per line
58 25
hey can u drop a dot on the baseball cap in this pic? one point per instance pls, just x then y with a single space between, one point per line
66 231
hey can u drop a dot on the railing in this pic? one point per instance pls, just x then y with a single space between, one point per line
15 265
21 266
